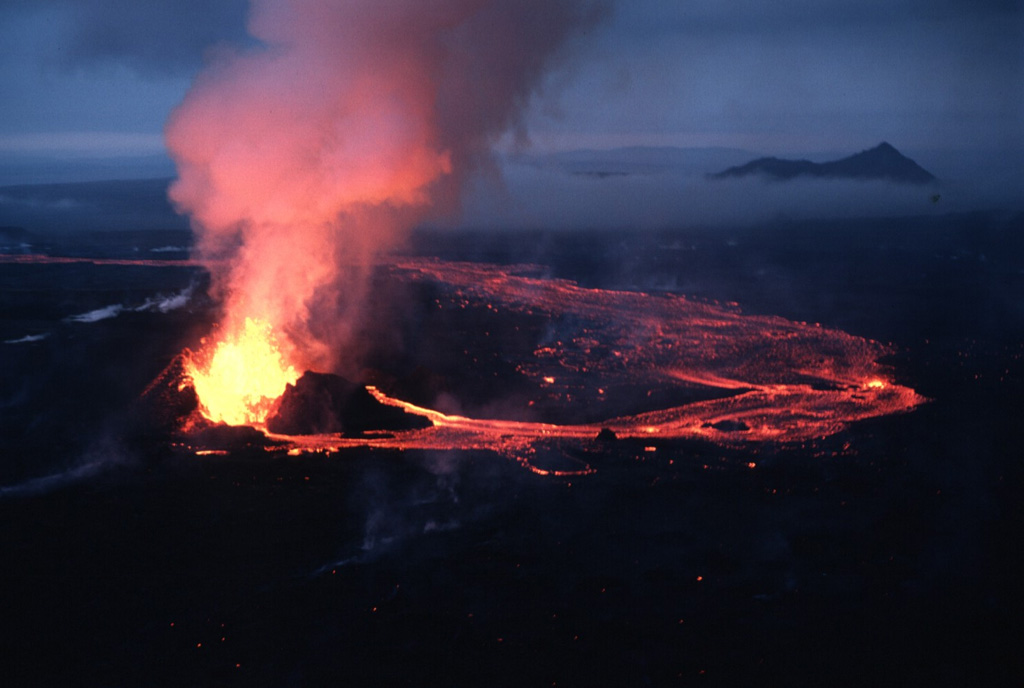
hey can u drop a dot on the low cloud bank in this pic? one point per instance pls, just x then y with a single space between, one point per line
651 190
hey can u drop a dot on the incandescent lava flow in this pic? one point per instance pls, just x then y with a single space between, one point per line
776 381
306 155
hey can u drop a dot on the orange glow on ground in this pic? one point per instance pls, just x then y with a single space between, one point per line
240 378
782 381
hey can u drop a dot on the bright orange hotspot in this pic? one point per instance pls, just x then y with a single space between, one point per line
239 380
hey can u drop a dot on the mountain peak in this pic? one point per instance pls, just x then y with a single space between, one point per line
881 162
882 150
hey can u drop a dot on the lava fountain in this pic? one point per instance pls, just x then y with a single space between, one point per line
239 379
304 157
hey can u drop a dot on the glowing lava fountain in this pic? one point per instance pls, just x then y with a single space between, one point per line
239 378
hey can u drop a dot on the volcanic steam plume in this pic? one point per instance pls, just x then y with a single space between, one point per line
303 157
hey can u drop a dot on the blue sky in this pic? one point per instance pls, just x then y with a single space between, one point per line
93 80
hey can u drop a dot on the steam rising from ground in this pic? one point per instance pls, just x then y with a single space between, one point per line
303 159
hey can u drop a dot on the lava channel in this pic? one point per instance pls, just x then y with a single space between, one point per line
778 381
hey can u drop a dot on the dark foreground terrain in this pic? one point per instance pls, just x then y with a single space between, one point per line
887 555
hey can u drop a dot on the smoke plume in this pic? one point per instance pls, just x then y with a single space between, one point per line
302 159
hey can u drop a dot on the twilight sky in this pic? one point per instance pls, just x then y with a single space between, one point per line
94 80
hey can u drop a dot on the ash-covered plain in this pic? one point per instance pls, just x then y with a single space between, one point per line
883 553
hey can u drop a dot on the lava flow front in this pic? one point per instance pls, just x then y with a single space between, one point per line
759 378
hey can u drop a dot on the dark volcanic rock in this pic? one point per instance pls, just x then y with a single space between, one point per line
168 410
222 437
728 426
166 405
323 403
881 162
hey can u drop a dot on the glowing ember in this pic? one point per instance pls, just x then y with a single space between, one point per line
239 381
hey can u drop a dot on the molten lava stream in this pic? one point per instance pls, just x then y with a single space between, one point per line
781 381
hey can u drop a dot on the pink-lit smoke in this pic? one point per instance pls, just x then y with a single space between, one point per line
302 158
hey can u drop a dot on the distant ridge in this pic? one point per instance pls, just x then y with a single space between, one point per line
881 162
116 204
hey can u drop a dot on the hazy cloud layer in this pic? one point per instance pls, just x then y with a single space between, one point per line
669 188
